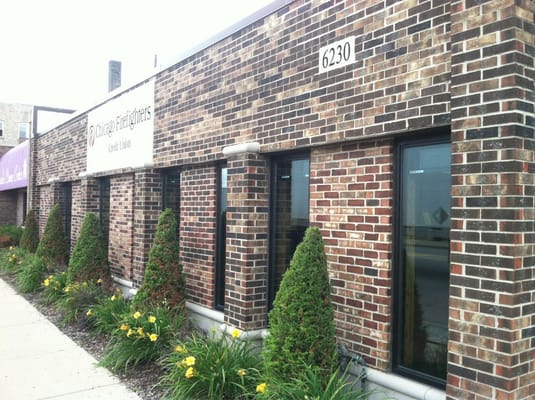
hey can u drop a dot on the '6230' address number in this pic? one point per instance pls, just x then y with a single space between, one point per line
337 54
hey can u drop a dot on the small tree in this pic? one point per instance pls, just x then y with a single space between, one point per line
163 282
30 236
302 332
89 259
53 247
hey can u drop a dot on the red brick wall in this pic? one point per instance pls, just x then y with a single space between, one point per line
121 221
197 232
351 202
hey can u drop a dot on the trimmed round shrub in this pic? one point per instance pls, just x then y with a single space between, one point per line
30 235
89 259
163 283
53 247
302 331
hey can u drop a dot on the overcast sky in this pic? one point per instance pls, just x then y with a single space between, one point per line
56 52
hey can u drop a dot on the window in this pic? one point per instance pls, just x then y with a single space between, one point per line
1 128
171 193
290 209
221 237
67 209
104 208
422 259
23 130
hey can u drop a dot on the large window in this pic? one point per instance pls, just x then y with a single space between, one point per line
23 130
221 237
171 193
289 210
422 259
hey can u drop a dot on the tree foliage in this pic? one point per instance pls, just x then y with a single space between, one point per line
53 247
163 282
89 259
302 332
30 236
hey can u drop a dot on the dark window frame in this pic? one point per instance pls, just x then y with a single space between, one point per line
171 175
438 136
275 161
221 236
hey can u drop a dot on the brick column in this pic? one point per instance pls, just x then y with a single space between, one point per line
147 208
247 238
89 196
492 234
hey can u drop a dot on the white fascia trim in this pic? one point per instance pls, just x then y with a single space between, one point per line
404 386
213 315
250 147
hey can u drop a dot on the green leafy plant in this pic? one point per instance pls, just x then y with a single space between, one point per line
53 287
89 259
30 275
78 298
14 259
105 316
30 235
10 235
312 385
163 282
211 367
53 247
302 331
142 337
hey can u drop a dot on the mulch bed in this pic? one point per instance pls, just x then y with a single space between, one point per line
142 379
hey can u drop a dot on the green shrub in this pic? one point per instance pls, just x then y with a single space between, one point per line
89 259
108 313
53 287
30 276
142 337
313 385
53 248
10 235
30 235
12 260
302 328
78 299
163 283
210 367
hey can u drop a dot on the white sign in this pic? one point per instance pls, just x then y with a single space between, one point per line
337 54
120 133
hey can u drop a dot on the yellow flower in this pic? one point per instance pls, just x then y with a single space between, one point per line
180 349
242 372
89 313
188 361
190 373
67 289
136 315
99 281
140 332
129 333
235 333
152 319
261 388
46 282
112 298
124 327
153 337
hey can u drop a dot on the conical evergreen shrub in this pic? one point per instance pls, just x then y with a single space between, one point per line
89 259
302 332
30 236
163 283
53 247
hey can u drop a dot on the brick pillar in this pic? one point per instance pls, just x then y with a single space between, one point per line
89 196
247 239
492 234
147 208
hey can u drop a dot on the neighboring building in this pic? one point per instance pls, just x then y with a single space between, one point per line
403 129
16 123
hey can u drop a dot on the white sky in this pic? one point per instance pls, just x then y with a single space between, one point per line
56 52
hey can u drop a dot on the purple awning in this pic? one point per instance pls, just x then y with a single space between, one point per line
14 167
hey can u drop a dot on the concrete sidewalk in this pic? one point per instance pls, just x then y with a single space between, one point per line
38 362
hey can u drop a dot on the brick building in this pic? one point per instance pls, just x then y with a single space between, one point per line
403 129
